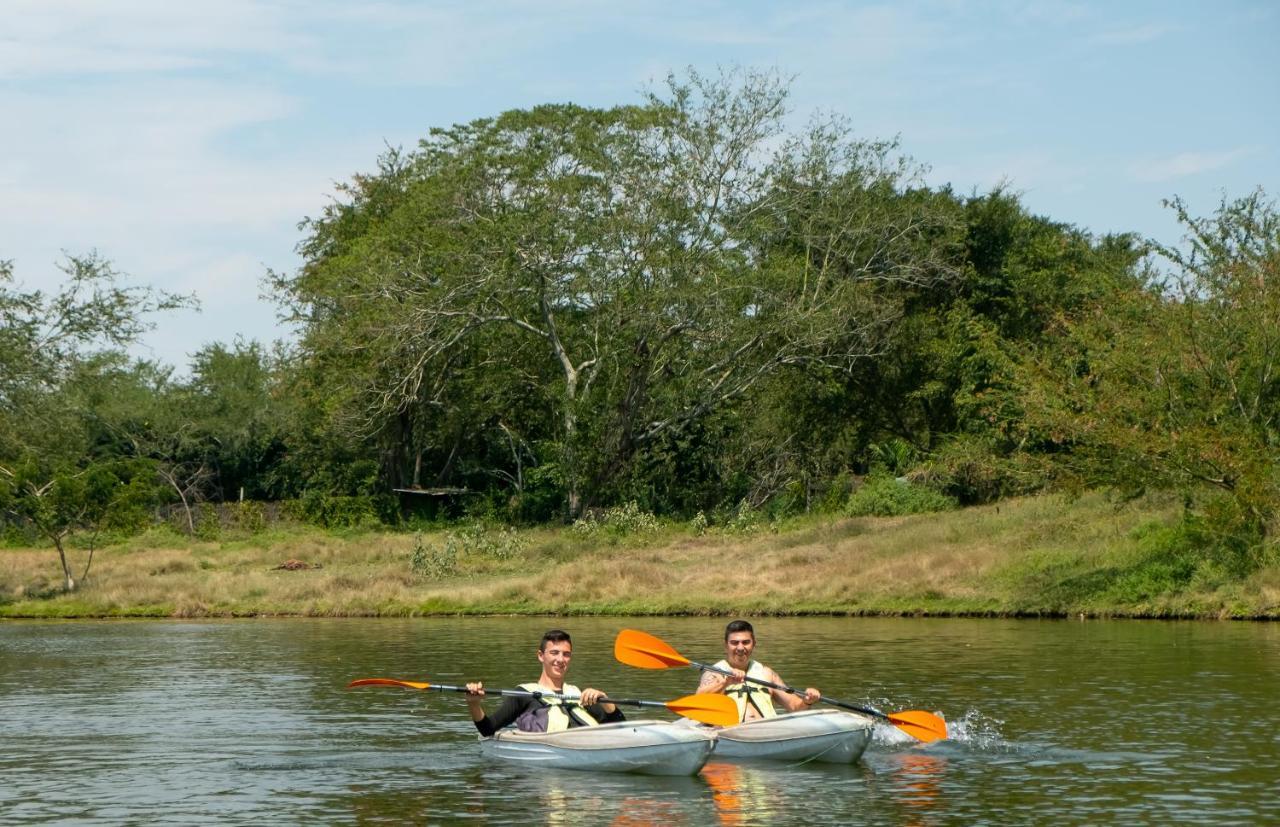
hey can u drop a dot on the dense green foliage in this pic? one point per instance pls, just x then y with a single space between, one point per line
884 496
57 352
673 308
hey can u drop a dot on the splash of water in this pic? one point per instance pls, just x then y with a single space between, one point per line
977 730
974 729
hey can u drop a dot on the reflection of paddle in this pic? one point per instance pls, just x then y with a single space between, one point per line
645 651
716 710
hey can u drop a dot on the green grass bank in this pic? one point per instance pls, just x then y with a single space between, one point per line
1041 556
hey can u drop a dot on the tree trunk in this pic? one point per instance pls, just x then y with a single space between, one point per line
68 582
88 564
571 460
186 509
571 481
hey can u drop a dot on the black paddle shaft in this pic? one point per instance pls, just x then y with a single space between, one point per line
874 713
524 693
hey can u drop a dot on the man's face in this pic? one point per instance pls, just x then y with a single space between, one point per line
738 648
555 658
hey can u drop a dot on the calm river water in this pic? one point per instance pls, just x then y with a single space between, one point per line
1055 722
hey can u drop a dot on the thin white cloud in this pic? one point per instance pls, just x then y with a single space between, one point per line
185 140
27 58
132 148
50 38
1183 164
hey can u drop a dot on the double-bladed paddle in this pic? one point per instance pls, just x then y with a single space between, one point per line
645 651
716 710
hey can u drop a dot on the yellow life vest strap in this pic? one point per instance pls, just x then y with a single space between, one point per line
559 710
760 698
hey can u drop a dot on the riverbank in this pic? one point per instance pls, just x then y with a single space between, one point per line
1041 556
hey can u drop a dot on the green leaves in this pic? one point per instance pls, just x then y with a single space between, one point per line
602 282
1178 386
60 469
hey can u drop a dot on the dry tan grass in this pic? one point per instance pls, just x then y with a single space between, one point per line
957 562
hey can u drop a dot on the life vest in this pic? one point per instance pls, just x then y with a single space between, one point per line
561 713
751 695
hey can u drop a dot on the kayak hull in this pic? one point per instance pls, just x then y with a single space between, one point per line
825 735
647 747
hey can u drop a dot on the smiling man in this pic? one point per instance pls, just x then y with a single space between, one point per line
754 701
545 714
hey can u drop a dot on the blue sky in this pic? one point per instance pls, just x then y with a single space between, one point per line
184 141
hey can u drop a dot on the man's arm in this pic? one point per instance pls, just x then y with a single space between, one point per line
713 682
508 711
598 712
793 703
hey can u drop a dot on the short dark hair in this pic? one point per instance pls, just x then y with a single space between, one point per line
738 626
554 636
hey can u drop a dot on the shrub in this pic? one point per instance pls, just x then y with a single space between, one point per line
745 519
499 544
619 521
207 522
433 561
475 540
17 535
894 457
249 516
890 497
974 471
836 494
339 511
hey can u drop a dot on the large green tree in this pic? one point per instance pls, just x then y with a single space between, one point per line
629 272
50 474
1178 386
941 394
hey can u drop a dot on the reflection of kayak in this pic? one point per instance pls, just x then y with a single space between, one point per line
809 735
650 747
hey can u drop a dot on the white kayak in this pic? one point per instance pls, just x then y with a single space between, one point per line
827 735
649 747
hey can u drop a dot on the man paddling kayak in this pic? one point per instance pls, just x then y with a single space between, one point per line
542 714
754 701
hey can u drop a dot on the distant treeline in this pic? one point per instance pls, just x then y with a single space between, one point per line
677 304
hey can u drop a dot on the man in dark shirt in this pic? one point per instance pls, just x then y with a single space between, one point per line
536 714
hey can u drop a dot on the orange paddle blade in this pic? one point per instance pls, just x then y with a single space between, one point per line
920 724
635 648
389 682
716 710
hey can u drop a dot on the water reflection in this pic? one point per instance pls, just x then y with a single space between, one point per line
742 795
917 781
733 794
563 805
571 798
647 812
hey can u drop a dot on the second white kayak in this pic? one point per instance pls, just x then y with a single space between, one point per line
827 735
649 747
